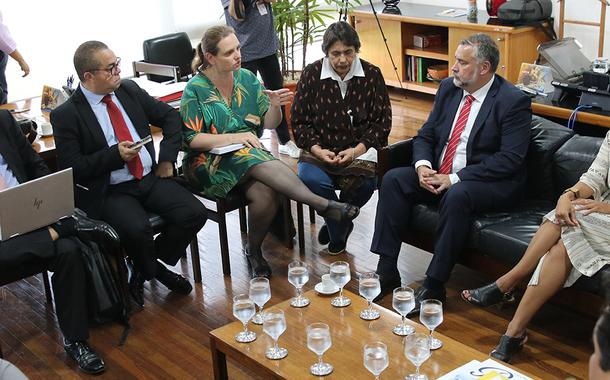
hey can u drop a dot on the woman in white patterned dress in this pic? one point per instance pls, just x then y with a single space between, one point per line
573 240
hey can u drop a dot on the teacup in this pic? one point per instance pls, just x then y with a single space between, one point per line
328 285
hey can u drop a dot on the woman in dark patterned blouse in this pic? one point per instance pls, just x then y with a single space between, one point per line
341 114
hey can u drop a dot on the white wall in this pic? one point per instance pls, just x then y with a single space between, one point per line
48 32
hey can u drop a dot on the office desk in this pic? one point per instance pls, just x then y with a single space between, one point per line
543 106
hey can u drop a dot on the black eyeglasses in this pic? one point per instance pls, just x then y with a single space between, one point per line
113 68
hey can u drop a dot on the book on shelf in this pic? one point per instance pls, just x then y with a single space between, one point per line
227 148
417 68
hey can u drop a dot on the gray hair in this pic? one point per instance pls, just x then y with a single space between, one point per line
485 49
84 59
340 31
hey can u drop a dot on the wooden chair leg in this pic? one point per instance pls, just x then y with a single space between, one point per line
300 227
224 243
312 215
288 241
47 286
195 259
243 220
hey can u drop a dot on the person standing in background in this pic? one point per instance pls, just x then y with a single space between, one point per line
8 46
253 24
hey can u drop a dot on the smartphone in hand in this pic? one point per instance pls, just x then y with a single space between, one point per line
138 144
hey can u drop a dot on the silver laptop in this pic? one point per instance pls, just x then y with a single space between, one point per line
35 204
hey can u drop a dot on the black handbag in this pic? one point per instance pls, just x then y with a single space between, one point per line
106 302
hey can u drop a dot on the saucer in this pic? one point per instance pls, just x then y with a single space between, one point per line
320 289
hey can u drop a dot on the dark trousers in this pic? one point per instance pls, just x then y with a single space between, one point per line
62 257
400 190
323 184
126 209
3 84
269 67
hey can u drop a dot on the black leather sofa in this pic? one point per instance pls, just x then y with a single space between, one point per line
556 159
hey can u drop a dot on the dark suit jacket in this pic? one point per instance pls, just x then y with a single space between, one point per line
500 136
81 143
21 158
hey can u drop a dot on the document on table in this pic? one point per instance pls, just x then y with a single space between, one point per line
451 12
487 370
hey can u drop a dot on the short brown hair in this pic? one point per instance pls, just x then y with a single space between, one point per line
84 57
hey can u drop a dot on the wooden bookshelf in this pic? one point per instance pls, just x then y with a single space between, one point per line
516 44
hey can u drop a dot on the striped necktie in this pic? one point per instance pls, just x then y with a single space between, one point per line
454 140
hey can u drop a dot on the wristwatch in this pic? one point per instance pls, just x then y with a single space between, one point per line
576 192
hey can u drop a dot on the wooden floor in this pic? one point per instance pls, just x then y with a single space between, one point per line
169 338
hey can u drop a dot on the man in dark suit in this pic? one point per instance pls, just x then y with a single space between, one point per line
94 130
50 248
469 157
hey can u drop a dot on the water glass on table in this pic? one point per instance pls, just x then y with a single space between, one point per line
369 288
403 301
376 358
274 325
319 341
298 275
244 309
260 293
340 274
431 315
417 350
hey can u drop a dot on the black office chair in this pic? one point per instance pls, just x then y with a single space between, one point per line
166 58
27 271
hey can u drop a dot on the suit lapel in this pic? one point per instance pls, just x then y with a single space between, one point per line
10 156
490 100
452 110
131 107
84 109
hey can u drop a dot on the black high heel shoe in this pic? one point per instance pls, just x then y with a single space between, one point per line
508 347
258 265
487 295
341 212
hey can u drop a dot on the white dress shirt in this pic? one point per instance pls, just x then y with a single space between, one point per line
8 177
459 160
355 70
101 113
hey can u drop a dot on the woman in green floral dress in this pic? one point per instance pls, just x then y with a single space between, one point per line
222 105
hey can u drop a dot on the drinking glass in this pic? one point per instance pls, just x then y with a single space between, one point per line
417 350
260 293
431 315
244 309
340 274
369 288
318 341
403 301
274 325
376 358
298 275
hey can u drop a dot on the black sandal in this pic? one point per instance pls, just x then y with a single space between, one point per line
487 295
341 212
508 346
258 265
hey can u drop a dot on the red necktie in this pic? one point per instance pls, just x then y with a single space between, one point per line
122 134
447 163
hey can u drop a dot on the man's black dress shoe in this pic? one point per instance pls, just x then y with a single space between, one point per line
258 265
136 286
388 283
173 281
95 230
424 293
508 346
87 359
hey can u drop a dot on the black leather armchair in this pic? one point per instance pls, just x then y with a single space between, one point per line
166 58
556 159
